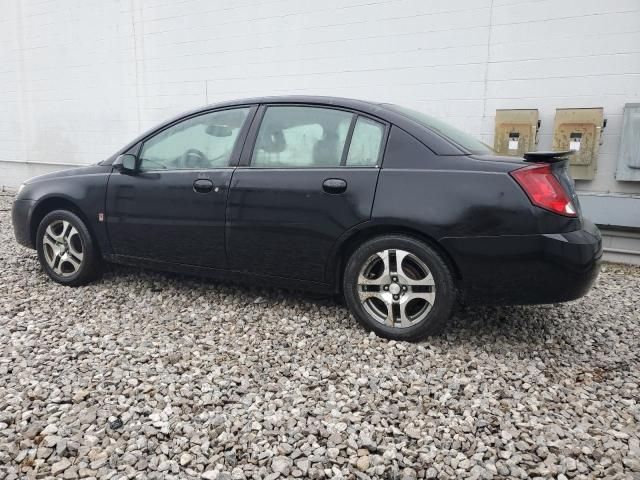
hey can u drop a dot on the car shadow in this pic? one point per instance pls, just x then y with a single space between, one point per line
507 320
527 327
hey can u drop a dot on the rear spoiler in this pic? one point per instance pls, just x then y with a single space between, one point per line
547 157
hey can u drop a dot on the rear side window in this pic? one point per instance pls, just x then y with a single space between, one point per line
295 137
366 143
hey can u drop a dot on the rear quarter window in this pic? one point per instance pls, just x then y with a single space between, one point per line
366 143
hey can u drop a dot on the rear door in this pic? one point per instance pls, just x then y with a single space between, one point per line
307 174
173 208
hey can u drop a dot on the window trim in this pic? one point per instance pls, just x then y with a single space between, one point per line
347 141
235 152
252 137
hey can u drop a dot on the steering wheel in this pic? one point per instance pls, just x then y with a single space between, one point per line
194 158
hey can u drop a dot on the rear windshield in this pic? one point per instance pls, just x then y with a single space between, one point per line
459 137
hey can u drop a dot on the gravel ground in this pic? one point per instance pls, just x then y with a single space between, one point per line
149 375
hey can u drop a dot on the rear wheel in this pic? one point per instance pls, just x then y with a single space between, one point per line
399 287
66 250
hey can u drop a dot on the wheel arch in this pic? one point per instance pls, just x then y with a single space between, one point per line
48 205
349 244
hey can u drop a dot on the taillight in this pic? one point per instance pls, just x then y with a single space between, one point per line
543 189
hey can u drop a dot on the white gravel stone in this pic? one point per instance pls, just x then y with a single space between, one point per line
363 463
185 459
60 466
151 375
281 465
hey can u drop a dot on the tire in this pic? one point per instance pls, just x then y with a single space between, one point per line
66 250
424 288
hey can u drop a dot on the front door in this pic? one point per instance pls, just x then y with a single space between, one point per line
173 208
310 176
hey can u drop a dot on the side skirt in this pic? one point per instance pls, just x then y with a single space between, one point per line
222 275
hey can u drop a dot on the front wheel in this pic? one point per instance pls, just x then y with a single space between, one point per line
66 250
399 287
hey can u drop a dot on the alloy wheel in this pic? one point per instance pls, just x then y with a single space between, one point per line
396 288
63 248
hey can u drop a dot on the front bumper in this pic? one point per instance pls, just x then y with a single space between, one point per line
21 218
527 269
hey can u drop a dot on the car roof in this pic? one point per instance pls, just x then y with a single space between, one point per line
365 106
324 99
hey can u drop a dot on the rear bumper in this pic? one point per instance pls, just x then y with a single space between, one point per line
20 217
527 269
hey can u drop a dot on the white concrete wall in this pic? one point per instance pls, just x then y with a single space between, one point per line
79 78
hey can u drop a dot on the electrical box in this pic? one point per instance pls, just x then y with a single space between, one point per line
580 130
629 156
516 132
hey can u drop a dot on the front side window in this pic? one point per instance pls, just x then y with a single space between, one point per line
299 137
202 142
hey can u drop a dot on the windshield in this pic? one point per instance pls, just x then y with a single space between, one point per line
459 137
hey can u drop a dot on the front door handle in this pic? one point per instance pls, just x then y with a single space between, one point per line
202 185
334 185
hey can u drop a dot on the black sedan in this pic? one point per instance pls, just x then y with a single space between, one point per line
400 213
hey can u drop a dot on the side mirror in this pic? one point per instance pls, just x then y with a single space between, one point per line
126 163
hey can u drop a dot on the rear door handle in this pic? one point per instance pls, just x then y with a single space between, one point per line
334 185
202 185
